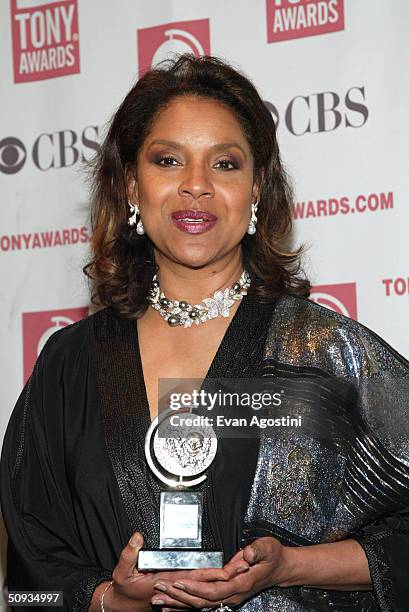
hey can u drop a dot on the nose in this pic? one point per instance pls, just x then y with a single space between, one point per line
196 182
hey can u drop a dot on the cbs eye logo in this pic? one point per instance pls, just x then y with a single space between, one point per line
13 155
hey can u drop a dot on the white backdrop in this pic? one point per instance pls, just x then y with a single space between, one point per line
333 73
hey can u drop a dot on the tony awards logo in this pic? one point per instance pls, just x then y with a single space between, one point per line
162 41
179 456
340 298
38 327
45 39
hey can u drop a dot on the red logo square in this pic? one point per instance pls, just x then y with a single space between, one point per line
157 42
45 39
339 298
287 19
39 326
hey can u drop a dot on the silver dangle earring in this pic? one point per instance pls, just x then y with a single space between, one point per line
140 228
253 221
134 210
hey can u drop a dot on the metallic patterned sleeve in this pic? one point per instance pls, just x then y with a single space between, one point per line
384 394
373 504
386 544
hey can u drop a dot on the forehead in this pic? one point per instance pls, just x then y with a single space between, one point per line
202 115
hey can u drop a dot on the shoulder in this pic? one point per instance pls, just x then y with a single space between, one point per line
307 333
313 319
71 344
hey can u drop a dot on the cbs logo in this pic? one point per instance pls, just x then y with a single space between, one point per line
60 149
13 155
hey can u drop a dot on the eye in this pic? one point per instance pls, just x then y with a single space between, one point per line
168 159
225 164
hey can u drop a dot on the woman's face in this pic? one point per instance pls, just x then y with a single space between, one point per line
194 182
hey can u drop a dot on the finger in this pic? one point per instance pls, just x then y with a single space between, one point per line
235 569
207 575
260 550
190 602
170 604
125 567
237 556
203 575
189 591
236 565
163 600
250 554
224 573
255 552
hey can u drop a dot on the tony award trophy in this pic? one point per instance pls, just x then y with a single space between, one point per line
178 452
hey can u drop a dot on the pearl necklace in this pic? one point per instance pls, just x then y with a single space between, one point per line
181 313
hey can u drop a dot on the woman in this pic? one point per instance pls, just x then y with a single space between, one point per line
189 186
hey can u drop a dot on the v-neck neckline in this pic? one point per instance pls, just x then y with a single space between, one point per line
126 416
214 367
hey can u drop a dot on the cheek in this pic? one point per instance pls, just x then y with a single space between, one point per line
237 193
153 197
239 210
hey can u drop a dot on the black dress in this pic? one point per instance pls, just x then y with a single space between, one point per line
75 485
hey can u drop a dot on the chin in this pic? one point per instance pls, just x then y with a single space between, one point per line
195 258
195 263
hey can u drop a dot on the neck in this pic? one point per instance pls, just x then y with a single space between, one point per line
180 282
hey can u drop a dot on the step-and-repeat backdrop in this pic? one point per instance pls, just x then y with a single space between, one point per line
333 74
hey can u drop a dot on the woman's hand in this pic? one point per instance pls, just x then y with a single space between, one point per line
266 560
133 590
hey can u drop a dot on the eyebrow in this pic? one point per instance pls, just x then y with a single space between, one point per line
218 147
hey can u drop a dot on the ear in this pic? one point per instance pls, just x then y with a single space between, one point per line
257 185
132 187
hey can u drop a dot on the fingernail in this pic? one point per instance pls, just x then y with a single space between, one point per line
180 585
160 586
134 541
158 602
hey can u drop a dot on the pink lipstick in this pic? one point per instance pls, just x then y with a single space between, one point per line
194 221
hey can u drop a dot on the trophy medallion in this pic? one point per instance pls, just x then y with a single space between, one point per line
179 448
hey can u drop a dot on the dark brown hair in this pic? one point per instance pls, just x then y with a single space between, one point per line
123 263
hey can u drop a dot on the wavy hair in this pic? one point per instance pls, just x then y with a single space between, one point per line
122 264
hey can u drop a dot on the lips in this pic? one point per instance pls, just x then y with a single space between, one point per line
203 215
194 221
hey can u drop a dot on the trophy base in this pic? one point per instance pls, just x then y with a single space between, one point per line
151 560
